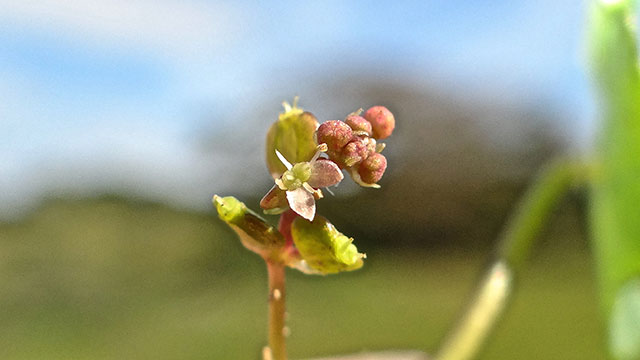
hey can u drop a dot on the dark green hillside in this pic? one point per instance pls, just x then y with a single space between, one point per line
115 279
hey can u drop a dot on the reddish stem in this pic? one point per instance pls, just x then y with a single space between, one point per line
277 309
284 225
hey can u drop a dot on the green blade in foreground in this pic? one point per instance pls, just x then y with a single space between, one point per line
615 190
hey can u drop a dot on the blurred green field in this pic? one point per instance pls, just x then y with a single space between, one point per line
114 279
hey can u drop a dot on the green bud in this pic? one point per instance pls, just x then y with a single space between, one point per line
292 135
323 247
255 233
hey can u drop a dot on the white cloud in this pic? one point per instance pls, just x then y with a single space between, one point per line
180 28
107 150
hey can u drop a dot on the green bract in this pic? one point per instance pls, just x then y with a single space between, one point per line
323 247
615 187
255 233
292 136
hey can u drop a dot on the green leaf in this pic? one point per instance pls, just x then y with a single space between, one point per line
615 190
292 135
323 247
625 322
255 233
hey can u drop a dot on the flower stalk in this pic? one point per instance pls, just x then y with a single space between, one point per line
277 311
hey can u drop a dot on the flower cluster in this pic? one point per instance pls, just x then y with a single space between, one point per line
304 158
351 144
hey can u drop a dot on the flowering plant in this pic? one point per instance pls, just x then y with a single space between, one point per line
303 158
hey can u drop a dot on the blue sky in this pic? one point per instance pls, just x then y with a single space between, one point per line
106 94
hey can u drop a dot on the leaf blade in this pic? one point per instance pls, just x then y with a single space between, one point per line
615 186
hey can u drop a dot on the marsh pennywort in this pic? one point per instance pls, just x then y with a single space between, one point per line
304 157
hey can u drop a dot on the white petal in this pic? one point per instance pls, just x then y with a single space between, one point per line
283 160
324 173
302 202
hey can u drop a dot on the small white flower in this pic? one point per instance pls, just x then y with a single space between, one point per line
298 187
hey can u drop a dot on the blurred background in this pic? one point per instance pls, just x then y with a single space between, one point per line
120 119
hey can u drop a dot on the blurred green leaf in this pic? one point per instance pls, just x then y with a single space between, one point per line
615 205
292 135
254 232
323 247
625 322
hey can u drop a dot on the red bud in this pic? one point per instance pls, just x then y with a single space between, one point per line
372 169
382 121
354 152
334 133
358 123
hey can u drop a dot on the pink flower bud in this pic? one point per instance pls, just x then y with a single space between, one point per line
354 152
382 121
372 169
334 133
336 157
371 145
358 123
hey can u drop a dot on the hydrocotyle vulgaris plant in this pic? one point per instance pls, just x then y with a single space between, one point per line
304 157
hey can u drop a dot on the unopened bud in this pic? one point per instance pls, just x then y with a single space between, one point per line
371 145
334 133
336 157
372 169
354 152
382 121
359 124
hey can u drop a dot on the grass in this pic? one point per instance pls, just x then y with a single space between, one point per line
113 279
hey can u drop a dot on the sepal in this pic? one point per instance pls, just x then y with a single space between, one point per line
293 136
254 232
324 248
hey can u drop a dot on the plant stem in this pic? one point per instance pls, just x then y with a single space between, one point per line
534 210
521 231
277 310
